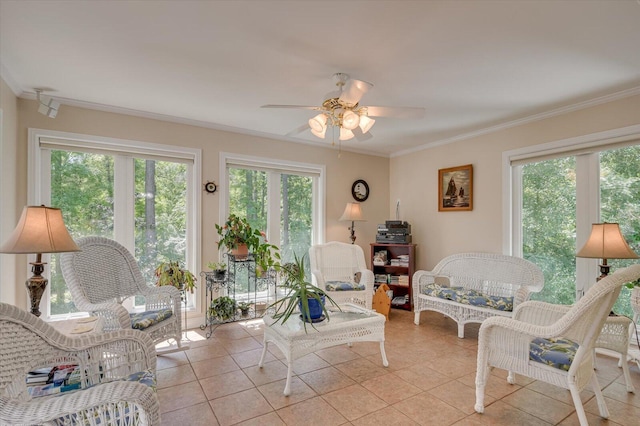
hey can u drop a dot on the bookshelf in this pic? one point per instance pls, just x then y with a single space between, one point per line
397 270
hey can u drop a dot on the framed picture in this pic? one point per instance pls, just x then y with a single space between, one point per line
455 188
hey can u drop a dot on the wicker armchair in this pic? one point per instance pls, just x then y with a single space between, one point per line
567 336
335 266
104 274
28 343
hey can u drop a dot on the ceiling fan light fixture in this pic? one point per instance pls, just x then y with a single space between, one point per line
366 123
350 120
319 134
318 123
345 134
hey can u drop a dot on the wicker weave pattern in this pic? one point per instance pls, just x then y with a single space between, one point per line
336 261
489 273
504 342
27 343
103 274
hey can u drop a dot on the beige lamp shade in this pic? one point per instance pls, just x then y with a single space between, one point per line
606 242
352 212
40 230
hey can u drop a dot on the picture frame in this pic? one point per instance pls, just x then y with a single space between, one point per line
455 188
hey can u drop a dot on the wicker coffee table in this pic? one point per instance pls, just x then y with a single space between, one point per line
353 324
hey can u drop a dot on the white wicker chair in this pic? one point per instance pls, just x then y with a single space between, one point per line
27 343
505 342
340 262
104 274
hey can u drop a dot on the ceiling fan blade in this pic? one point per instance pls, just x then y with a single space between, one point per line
361 137
292 106
353 91
298 130
395 112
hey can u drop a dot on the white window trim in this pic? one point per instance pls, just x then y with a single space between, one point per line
585 148
319 185
37 194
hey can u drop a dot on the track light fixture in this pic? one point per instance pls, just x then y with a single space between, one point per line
47 105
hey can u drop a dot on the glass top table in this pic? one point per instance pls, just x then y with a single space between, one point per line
352 324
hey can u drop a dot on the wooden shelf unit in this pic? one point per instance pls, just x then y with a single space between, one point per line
393 251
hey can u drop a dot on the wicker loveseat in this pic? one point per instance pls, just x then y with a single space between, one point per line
471 287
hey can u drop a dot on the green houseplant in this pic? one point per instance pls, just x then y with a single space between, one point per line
244 307
236 232
301 294
219 269
223 308
171 273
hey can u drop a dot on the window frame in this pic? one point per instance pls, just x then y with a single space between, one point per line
271 166
38 186
586 148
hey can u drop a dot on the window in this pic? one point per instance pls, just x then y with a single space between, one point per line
142 195
558 191
282 198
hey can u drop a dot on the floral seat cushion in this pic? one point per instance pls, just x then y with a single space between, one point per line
556 352
469 297
343 286
142 320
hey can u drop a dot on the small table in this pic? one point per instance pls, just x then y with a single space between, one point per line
614 337
352 324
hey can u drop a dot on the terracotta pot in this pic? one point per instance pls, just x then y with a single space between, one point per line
241 252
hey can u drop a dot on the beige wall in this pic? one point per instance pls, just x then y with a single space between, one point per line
340 171
414 179
9 211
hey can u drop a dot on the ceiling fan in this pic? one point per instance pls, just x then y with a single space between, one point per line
341 110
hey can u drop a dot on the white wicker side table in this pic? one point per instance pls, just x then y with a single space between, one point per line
614 337
353 324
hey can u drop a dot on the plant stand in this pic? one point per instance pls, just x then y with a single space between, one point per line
242 285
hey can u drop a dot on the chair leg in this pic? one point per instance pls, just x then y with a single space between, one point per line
602 405
627 376
416 318
461 330
481 381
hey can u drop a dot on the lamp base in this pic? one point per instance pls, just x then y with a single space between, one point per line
36 286
604 271
353 233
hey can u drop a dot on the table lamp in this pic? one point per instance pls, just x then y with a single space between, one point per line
606 242
353 213
40 230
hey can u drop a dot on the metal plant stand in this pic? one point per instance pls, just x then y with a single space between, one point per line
242 284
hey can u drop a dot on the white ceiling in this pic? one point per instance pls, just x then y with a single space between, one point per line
473 65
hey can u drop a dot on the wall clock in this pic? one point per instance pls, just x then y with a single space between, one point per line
210 187
360 190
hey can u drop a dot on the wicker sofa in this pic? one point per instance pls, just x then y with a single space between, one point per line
471 287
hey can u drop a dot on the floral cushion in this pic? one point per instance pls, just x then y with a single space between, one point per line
556 352
142 320
343 286
469 297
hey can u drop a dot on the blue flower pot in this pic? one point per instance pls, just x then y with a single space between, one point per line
315 309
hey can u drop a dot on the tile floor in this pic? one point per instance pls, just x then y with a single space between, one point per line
429 381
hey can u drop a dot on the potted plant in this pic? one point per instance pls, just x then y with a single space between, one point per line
302 297
267 255
223 308
244 307
219 270
171 273
236 235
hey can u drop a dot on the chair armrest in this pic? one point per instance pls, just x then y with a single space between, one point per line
83 404
366 278
115 316
164 297
319 278
539 313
